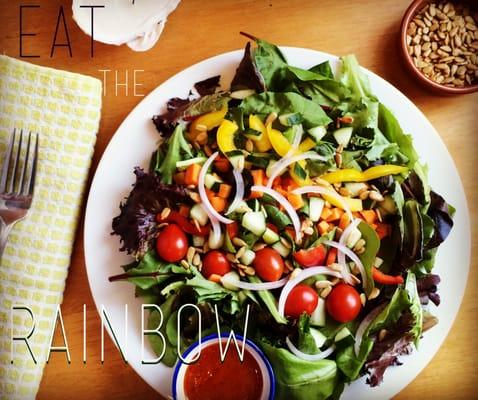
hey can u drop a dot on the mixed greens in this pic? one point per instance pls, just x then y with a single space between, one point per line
295 193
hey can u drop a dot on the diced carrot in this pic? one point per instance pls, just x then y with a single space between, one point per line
179 178
369 216
218 203
331 256
224 190
192 174
344 221
335 215
326 213
295 200
383 230
210 194
323 227
214 278
184 210
222 164
259 179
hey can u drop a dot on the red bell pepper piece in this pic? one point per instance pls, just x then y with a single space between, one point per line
184 223
380 277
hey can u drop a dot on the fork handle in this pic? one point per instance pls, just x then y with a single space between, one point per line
4 231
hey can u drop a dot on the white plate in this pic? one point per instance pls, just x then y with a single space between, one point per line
133 144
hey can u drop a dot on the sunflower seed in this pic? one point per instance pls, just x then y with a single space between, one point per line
374 293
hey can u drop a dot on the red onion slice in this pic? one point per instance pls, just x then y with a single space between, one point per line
364 326
213 214
302 275
284 162
239 196
349 253
327 192
256 286
283 201
309 357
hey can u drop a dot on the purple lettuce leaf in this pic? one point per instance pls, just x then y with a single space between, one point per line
247 74
207 86
136 224
427 287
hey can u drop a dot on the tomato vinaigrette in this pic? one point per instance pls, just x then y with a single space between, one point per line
211 379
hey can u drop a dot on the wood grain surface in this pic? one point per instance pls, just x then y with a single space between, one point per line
197 30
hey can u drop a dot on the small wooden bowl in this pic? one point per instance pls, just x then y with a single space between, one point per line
436 87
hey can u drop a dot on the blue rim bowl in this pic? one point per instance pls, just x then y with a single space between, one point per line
266 368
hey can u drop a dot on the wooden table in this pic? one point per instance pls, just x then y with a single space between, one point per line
200 29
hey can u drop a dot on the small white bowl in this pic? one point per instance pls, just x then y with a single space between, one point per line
268 378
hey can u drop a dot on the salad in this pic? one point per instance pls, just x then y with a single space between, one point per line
295 195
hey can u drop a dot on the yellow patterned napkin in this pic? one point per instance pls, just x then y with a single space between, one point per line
64 108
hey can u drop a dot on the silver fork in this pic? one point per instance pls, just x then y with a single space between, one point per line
17 182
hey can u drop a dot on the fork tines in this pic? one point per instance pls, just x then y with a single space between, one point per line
19 165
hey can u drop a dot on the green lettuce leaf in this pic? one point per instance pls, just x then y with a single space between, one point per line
176 143
391 129
299 379
286 103
415 306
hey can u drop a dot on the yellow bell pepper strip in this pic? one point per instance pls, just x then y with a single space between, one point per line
278 141
209 121
354 204
306 145
225 136
261 141
353 175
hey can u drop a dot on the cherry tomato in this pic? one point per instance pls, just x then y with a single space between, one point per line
172 243
232 230
343 303
268 264
302 298
215 262
311 257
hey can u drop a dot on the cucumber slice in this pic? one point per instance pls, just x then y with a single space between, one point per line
270 237
290 119
281 249
344 338
255 222
199 214
342 136
210 180
228 280
187 163
316 206
318 336
198 241
237 161
317 132
318 317
248 257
